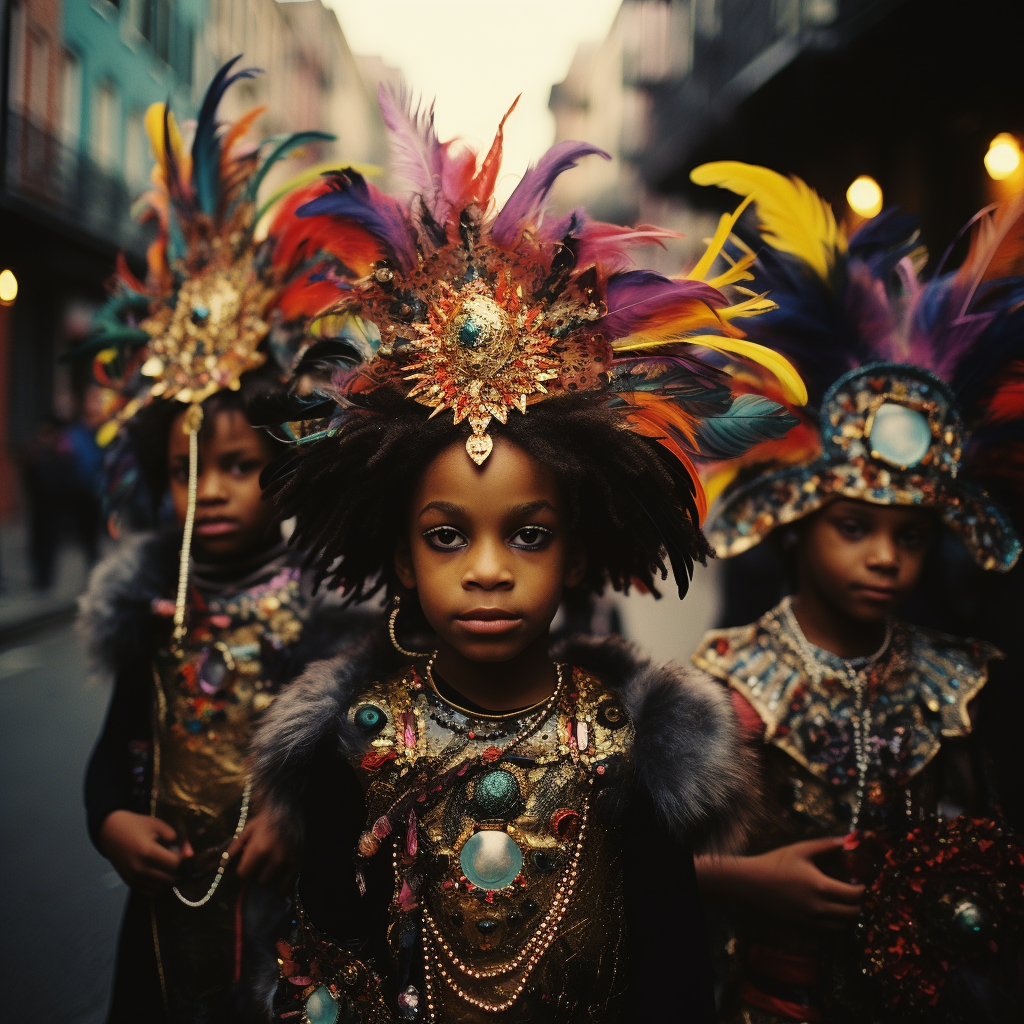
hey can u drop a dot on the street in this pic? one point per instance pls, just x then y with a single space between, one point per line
63 901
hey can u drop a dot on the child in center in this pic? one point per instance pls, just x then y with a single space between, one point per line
492 830
863 721
202 622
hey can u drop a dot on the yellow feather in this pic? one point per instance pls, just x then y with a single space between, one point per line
792 385
725 225
738 271
793 217
717 481
748 307
154 125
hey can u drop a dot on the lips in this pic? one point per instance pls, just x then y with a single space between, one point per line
880 594
488 621
215 527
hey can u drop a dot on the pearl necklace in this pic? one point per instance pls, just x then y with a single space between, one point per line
527 959
854 678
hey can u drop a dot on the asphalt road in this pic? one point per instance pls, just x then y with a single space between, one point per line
62 901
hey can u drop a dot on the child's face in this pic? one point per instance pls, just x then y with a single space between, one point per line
231 516
863 559
488 551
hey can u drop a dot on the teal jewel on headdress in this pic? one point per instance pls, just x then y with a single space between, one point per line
890 435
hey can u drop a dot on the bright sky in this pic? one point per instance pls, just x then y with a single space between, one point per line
475 56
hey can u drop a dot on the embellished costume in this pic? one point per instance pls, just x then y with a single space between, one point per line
915 386
500 859
197 652
462 865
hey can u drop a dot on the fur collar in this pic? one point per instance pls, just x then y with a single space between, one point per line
689 754
117 622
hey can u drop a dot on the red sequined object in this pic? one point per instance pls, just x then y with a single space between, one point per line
948 903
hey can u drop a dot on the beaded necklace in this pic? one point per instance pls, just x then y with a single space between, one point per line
853 675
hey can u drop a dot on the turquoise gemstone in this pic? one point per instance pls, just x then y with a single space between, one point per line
497 795
491 859
321 1007
370 718
469 334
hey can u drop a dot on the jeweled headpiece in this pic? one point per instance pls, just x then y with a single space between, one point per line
213 291
478 313
916 385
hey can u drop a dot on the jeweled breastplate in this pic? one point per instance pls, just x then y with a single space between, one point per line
208 695
503 835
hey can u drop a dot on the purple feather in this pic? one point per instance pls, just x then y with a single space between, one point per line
530 195
354 199
871 313
417 155
634 297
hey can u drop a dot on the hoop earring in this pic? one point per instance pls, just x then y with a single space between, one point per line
396 603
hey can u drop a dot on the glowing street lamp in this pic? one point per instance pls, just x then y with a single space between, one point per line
1003 156
8 288
865 197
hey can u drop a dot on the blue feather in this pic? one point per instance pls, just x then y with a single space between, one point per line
750 421
206 144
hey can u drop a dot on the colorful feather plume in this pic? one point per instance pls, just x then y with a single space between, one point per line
840 305
482 311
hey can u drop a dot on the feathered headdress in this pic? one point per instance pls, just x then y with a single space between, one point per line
917 386
213 292
478 313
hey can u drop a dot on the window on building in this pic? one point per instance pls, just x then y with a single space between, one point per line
38 79
106 116
16 70
183 51
70 100
136 151
153 22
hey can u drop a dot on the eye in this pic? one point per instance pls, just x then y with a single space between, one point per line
913 538
179 474
531 538
851 529
445 538
244 467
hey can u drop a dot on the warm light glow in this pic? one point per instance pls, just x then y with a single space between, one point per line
1003 156
8 287
865 197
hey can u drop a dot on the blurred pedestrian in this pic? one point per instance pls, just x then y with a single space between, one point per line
49 475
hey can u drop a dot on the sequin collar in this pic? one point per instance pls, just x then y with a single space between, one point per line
918 692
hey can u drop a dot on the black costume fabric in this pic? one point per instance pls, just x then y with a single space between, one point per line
607 792
174 744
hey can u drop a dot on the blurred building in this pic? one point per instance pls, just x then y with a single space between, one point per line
77 79
909 92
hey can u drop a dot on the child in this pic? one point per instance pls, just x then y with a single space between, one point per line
492 832
199 632
862 720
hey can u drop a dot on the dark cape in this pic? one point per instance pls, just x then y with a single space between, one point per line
695 788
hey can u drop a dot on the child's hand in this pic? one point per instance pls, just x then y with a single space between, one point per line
137 846
786 883
263 856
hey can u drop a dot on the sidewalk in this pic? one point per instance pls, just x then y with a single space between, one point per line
23 609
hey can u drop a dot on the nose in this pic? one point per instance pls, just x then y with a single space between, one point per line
210 487
884 553
488 567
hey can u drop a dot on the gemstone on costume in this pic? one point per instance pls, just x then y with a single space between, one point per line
370 718
320 1006
497 795
900 435
491 859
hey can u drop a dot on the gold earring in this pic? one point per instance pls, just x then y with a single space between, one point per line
396 603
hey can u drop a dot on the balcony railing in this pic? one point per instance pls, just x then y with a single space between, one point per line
66 184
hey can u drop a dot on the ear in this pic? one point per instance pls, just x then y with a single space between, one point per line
576 564
403 566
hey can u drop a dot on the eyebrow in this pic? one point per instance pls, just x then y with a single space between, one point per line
527 508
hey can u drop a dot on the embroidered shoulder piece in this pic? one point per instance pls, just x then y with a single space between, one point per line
919 693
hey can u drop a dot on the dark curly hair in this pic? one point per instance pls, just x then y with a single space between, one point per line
629 500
